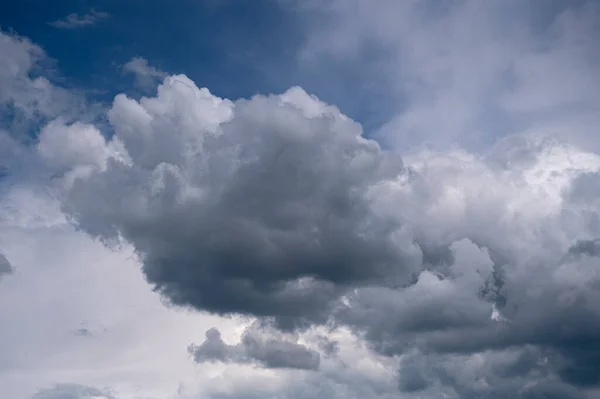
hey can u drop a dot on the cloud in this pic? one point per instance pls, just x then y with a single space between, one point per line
5 266
72 391
305 234
276 207
74 20
353 372
68 283
447 272
268 349
28 98
19 89
467 73
146 76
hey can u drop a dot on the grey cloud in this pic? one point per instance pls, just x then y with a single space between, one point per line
276 207
72 391
585 188
269 349
586 247
328 346
74 20
5 266
516 373
257 206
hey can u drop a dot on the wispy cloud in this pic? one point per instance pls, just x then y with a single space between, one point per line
75 20
467 73
146 76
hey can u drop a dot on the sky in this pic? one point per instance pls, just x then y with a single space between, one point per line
300 199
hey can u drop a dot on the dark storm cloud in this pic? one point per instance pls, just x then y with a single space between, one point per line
256 346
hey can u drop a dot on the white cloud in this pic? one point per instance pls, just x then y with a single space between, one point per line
146 76
468 73
27 97
65 280
74 20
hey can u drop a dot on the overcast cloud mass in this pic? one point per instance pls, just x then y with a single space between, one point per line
405 204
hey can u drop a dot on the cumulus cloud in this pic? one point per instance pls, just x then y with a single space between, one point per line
270 349
146 76
74 20
262 203
277 207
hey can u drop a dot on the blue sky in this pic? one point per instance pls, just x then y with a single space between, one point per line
299 199
237 49
214 41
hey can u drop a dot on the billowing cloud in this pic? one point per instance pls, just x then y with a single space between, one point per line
276 207
74 20
262 205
